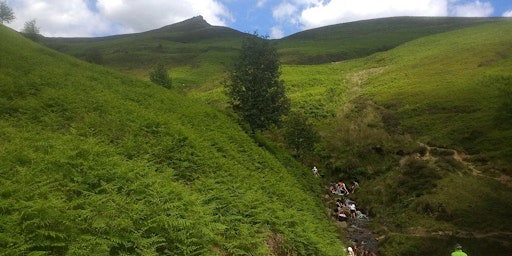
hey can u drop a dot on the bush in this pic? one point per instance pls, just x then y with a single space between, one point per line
160 76
418 177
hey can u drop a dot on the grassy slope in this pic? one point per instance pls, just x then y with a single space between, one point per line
362 38
93 162
438 90
442 90
184 47
360 104
194 45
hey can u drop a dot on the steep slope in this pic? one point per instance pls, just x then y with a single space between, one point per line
96 163
422 126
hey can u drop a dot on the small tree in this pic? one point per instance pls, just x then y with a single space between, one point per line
6 13
160 76
30 30
254 88
299 133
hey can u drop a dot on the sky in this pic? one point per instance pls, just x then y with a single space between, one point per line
273 18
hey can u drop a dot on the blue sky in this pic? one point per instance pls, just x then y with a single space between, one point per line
275 18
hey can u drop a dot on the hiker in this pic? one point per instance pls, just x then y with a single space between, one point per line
341 189
350 251
458 251
339 203
332 189
315 171
354 186
342 216
352 207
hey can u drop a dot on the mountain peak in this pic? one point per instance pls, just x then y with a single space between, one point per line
194 23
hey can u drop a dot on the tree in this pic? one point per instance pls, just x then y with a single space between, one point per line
300 134
160 76
31 30
253 86
6 13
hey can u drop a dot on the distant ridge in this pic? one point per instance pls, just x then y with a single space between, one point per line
390 24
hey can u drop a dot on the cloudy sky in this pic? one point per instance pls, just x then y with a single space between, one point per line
275 18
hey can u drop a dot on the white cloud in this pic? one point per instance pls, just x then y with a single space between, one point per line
276 33
472 9
507 13
261 3
72 18
58 18
284 11
142 15
329 12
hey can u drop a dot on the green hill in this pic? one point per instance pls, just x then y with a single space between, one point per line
418 111
97 163
446 91
362 38
194 44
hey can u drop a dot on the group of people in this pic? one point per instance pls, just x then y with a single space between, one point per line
340 211
339 188
345 205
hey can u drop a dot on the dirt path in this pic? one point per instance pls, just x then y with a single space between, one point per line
462 158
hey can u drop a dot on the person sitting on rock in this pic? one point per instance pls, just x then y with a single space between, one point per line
352 208
342 216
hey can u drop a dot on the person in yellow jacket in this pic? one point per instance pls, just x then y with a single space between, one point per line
458 251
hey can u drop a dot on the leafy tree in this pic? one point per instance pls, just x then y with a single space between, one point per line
6 13
300 134
160 76
254 88
30 30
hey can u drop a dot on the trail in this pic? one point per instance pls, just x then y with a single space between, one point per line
462 158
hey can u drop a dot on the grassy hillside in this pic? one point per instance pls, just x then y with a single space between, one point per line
445 91
422 121
97 163
361 38
195 45
191 43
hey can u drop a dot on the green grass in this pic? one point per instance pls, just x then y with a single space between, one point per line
436 84
362 38
94 162
441 90
444 93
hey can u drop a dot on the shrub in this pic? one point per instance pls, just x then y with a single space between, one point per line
160 76
418 177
